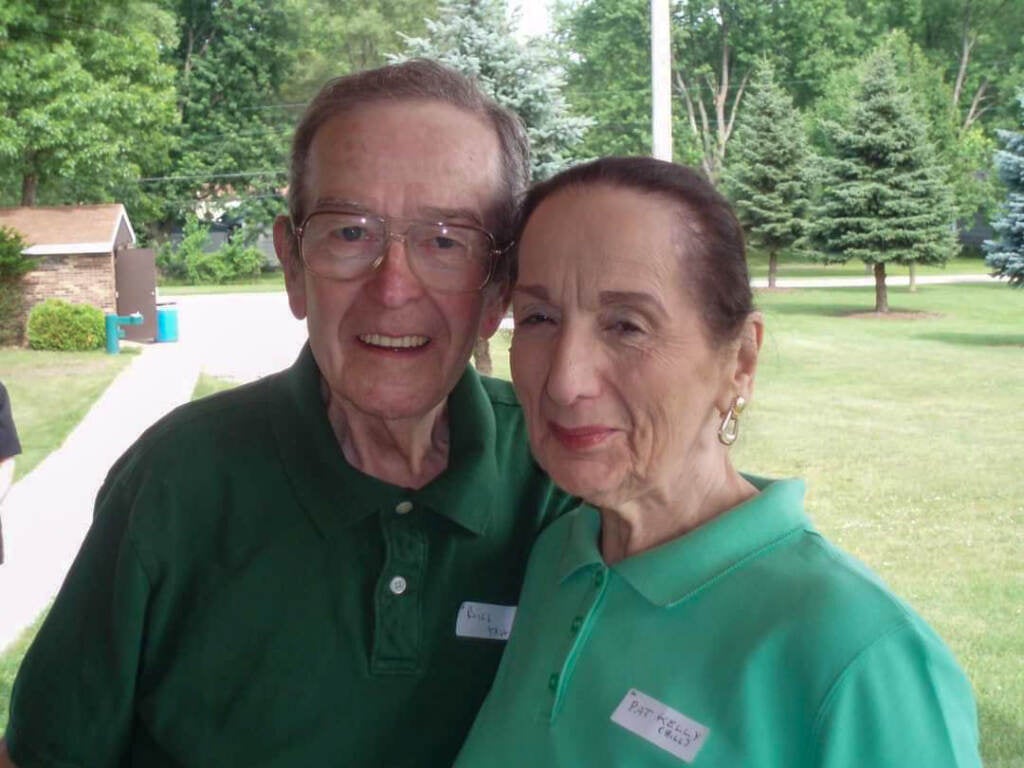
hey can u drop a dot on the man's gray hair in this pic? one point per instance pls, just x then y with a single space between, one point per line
406 81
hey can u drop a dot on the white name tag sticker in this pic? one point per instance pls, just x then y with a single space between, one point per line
661 725
484 620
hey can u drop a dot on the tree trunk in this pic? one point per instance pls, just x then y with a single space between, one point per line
773 268
29 183
913 277
881 293
482 356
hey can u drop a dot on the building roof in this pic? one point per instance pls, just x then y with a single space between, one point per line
67 229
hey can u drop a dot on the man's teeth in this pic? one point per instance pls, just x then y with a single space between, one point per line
394 342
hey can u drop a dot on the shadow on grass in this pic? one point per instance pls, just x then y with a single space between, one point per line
815 309
1002 743
976 339
855 311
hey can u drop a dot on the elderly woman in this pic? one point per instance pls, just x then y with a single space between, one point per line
686 613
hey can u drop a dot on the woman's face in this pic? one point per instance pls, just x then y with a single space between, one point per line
622 391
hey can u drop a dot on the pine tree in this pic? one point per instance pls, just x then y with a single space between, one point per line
884 195
477 38
1006 255
768 173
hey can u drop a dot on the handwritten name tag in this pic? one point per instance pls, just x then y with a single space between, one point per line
484 620
661 725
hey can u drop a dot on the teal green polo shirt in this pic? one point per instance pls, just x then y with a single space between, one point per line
751 641
244 597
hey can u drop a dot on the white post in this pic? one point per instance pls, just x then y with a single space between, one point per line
661 79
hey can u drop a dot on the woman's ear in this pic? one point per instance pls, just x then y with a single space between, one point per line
747 352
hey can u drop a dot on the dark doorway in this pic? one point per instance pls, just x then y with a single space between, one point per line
135 285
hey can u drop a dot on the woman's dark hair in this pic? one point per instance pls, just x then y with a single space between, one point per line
717 260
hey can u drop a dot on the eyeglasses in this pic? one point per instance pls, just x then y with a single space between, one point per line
341 245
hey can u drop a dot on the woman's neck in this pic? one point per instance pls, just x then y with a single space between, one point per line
657 517
408 452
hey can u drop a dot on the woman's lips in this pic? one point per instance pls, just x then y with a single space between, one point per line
580 438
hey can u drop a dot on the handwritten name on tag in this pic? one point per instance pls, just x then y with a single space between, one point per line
661 725
484 620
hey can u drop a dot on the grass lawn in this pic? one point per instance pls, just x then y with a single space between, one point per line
268 282
51 392
908 432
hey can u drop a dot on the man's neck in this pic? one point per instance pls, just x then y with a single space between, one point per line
409 452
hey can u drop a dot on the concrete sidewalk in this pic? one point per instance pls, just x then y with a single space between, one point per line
47 513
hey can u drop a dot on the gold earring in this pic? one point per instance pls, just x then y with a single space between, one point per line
729 429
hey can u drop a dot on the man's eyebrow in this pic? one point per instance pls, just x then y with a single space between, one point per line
536 291
635 298
451 214
340 202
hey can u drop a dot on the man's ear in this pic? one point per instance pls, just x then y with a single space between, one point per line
286 247
495 306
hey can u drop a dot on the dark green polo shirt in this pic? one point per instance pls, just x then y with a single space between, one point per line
751 641
246 598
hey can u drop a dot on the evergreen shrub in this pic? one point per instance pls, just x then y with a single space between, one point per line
59 325
13 265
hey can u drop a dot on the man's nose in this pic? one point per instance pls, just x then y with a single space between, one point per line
393 282
574 371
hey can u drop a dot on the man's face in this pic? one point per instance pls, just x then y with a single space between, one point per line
386 343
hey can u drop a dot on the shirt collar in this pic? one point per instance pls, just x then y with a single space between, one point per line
673 572
337 495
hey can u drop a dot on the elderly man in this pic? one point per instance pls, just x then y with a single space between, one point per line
320 568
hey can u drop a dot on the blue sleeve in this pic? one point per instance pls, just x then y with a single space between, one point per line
902 701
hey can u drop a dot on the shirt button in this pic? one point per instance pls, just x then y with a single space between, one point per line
599 578
397 585
553 681
576 624
403 507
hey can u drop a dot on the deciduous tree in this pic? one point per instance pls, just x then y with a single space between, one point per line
86 104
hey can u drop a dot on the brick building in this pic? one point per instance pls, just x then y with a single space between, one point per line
75 248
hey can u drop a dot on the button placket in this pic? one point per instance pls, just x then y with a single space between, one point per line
594 588
397 638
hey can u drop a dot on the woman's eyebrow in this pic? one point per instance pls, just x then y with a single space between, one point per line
633 298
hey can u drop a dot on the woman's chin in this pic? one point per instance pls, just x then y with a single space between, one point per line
594 485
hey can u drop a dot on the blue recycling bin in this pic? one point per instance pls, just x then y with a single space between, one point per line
166 322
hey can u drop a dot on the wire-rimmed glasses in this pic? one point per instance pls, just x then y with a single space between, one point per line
347 245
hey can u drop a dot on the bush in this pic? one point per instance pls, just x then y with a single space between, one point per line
192 263
13 265
56 324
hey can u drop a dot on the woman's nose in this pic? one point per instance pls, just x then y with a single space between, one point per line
573 373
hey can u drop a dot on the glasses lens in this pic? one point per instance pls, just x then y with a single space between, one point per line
345 246
448 257
341 245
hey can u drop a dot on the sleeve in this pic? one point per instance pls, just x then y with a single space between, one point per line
902 701
73 699
9 444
